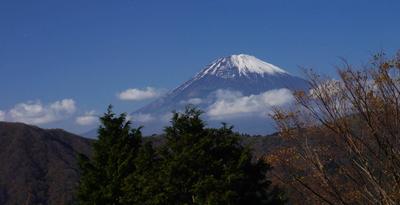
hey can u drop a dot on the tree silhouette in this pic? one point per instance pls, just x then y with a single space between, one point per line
113 158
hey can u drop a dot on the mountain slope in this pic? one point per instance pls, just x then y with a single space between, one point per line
38 166
243 75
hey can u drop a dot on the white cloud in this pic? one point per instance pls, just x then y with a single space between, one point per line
141 117
135 94
231 104
193 101
37 113
89 118
167 117
2 115
67 105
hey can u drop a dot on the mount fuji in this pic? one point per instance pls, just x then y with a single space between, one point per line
239 89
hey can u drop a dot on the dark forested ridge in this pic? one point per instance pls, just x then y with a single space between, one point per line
38 166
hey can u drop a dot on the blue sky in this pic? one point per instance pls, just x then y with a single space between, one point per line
88 51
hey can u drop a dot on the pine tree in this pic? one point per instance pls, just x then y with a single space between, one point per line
113 158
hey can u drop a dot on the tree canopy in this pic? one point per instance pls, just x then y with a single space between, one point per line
195 165
343 136
113 159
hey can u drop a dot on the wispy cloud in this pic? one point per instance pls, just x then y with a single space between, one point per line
2 115
135 94
34 112
89 118
193 101
230 104
141 117
166 117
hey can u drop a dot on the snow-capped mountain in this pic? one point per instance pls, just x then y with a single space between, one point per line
240 82
239 65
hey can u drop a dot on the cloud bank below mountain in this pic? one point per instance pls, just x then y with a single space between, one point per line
233 104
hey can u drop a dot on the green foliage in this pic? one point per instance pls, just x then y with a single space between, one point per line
142 185
196 165
113 160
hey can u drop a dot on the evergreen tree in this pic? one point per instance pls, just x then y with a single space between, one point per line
195 165
113 158
143 186
208 166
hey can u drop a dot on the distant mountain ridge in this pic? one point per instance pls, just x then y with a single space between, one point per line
237 73
38 166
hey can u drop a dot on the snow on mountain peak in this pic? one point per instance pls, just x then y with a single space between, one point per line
242 65
234 66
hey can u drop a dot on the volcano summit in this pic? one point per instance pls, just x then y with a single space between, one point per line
238 89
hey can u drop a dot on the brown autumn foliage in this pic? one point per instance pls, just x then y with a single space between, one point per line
342 142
